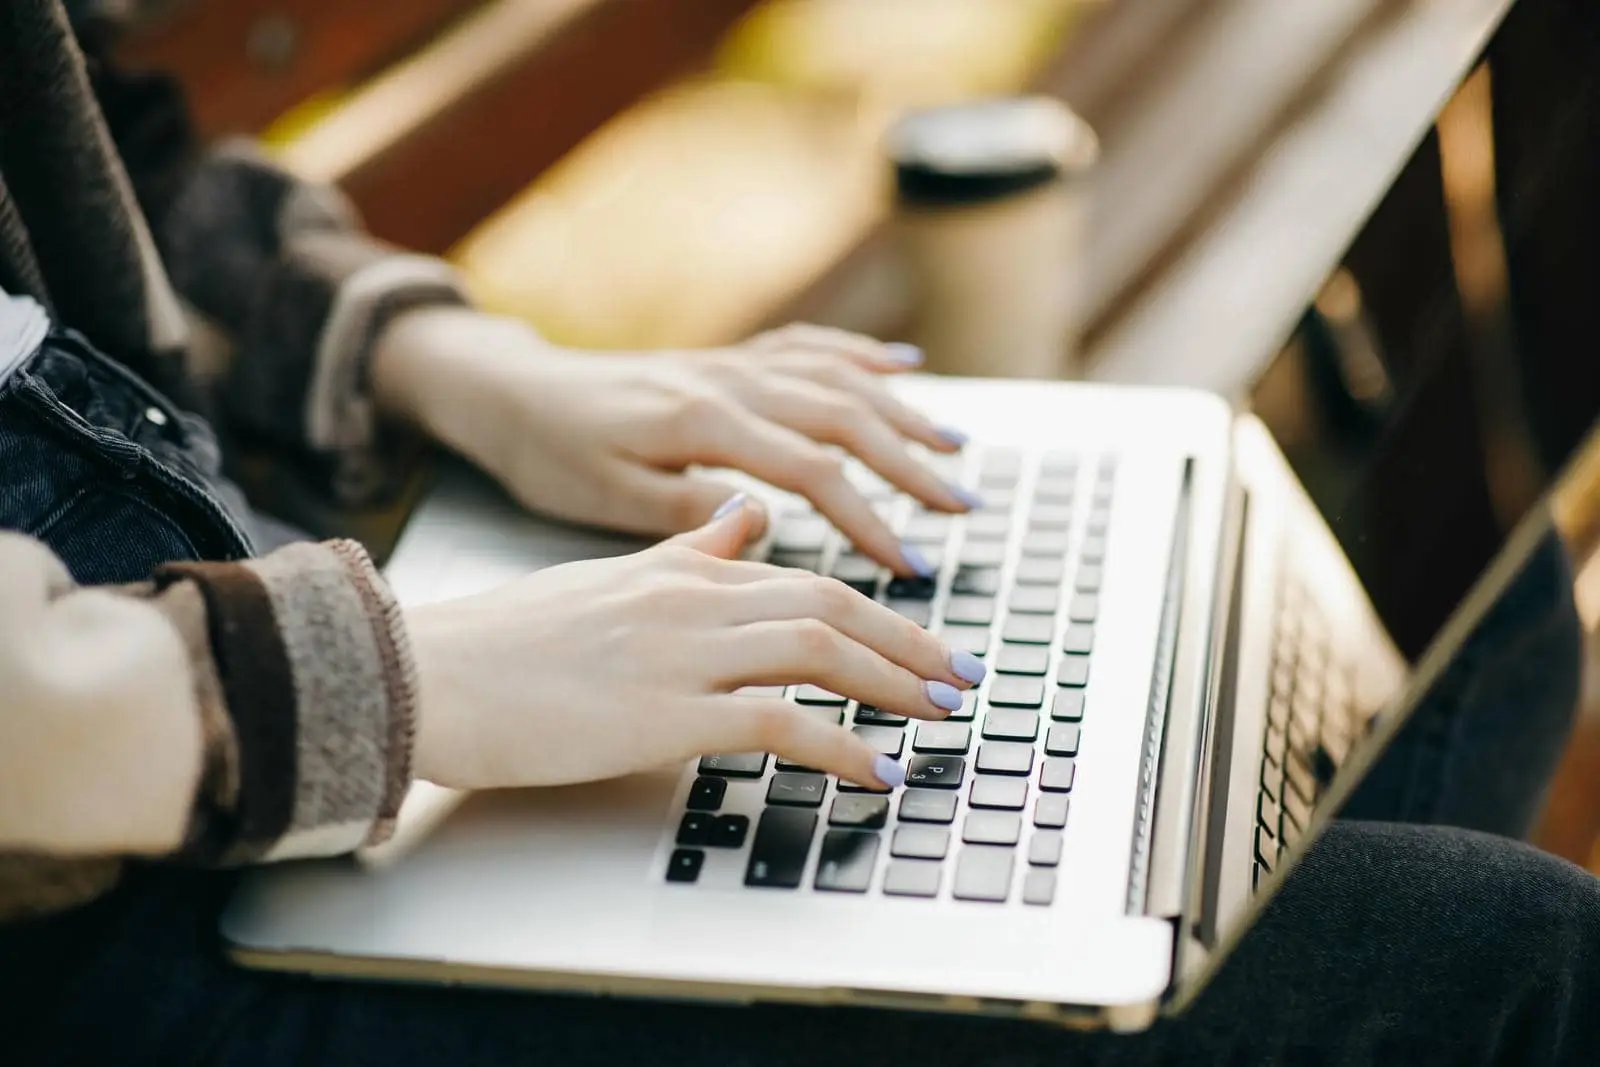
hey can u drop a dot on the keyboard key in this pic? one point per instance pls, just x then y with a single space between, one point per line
735 765
1058 462
1301 776
1099 519
685 864
728 831
1067 705
1035 599
801 533
801 790
1039 886
867 715
992 828
1046 517
988 526
1089 577
1008 794
815 694
1296 809
1010 724
927 805
1023 659
1044 848
1039 570
860 812
846 862
1005 757
778 855
1083 607
936 772
974 639
1057 775
1266 849
912 878
800 561
1002 466
1079 639
1015 691
950 738
1093 550
914 588
985 554
1055 491
1050 811
1269 814
1029 629
695 828
918 611
1074 671
706 794
926 529
886 739
972 610
1062 740
983 872
983 581
969 705
920 843
1052 543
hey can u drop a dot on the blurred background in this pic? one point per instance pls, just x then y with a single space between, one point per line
634 173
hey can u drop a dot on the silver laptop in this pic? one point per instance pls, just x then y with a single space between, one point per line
1200 626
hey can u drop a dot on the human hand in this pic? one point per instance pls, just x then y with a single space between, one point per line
605 438
598 669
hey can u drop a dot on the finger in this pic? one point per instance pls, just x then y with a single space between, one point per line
670 502
834 373
764 724
809 650
870 354
838 418
791 596
730 528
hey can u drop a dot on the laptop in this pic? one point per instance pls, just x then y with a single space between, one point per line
1201 626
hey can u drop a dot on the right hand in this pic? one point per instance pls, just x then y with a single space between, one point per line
607 667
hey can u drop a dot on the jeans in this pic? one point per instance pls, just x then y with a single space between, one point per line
1392 942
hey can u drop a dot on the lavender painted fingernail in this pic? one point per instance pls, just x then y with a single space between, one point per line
888 771
951 434
966 496
903 354
729 506
968 668
943 695
916 561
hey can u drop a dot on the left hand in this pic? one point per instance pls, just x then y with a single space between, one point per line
605 438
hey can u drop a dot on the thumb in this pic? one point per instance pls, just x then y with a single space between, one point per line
725 534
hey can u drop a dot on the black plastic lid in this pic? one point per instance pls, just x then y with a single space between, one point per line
979 152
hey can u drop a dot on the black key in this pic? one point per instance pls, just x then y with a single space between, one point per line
1023 659
951 738
988 526
1039 570
1007 794
1051 543
969 705
1062 740
1079 639
1050 811
983 872
846 862
1046 517
1089 578
859 572
861 812
801 533
1093 550
928 805
971 610
918 611
1044 848
1005 757
984 554
1083 607
735 765
1074 671
815 694
1067 705
1010 724
706 794
1030 629
974 639
926 529
936 772
982 581
867 715
886 739
1034 599
1014 691
919 843
1057 775
912 878
915 588
1039 886
801 790
685 864
803 561
695 828
778 856
992 828
728 831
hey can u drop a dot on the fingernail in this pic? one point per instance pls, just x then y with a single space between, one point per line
903 354
729 506
968 668
943 695
888 771
954 436
916 561
967 497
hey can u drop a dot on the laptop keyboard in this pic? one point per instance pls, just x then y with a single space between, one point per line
1311 717
988 790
